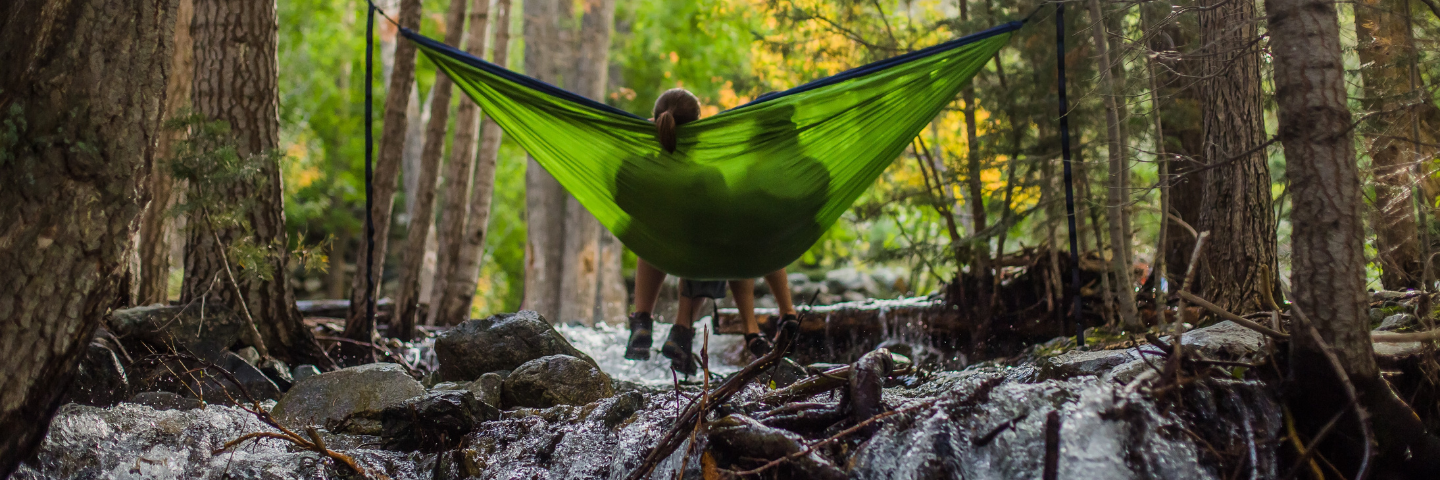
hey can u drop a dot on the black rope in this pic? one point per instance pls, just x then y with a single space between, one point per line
1069 178
369 166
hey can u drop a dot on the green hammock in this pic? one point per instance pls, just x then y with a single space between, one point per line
747 191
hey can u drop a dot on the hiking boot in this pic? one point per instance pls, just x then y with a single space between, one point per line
757 344
677 349
638 348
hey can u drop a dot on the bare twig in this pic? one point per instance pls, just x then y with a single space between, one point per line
1391 337
867 422
1239 320
254 332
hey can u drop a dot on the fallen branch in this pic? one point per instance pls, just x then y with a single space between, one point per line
1392 337
826 381
1239 320
696 411
867 422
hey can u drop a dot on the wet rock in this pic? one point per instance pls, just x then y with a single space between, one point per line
301 372
488 388
131 441
165 401
434 421
99 379
555 380
249 355
849 280
1400 322
500 342
448 386
1076 363
252 379
1225 341
206 331
362 391
619 408
277 372
738 437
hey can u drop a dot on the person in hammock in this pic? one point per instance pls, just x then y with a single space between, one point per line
677 107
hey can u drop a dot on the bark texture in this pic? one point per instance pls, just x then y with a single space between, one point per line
545 52
1329 262
460 176
1117 196
583 281
1237 204
82 94
387 173
1386 50
156 225
464 272
1183 134
236 81
407 300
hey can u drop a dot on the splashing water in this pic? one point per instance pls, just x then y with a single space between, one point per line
606 344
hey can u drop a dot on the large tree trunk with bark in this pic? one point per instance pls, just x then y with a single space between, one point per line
83 88
236 81
582 281
156 227
1117 196
459 174
464 272
386 179
1329 259
545 53
407 300
1386 50
1239 259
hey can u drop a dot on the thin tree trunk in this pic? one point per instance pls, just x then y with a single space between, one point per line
544 199
1183 135
1117 196
464 273
386 181
1328 253
72 185
1385 49
1238 212
236 81
407 300
156 229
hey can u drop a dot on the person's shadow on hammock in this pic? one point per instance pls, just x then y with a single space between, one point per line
754 211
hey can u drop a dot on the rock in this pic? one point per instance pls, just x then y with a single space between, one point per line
206 331
738 436
165 401
488 387
1225 341
99 379
1400 322
619 408
362 391
500 342
301 372
435 421
249 355
849 280
1376 315
278 372
448 386
218 389
555 380
1076 363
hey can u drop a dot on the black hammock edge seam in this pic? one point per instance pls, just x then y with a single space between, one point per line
552 90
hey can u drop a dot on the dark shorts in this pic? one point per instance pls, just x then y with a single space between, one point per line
702 288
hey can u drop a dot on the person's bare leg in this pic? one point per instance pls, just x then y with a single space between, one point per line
779 283
688 309
744 293
647 286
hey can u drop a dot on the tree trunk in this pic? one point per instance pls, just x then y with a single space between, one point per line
581 283
1237 261
1329 259
1183 134
544 198
407 301
83 92
464 271
460 175
156 229
385 181
1386 50
236 82
1117 196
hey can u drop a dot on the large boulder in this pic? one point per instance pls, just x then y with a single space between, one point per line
555 380
207 331
500 342
99 379
362 392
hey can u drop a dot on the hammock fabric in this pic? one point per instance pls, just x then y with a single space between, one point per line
746 191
